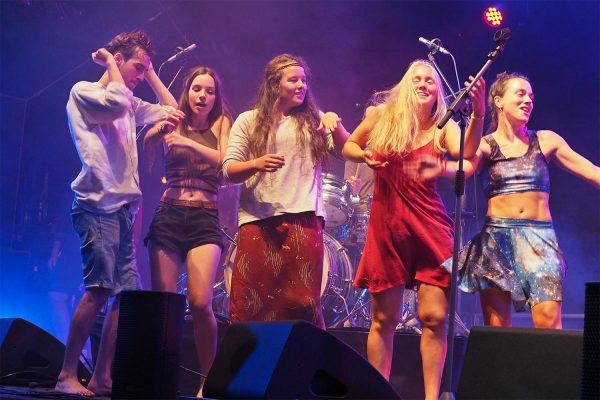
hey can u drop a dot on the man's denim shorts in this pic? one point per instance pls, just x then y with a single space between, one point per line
107 249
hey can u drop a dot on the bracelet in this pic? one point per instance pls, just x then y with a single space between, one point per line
477 118
162 130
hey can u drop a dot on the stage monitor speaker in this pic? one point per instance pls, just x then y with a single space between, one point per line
590 378
30 356
291 360
148 348
520 363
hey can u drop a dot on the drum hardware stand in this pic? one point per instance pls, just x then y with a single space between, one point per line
338 294
408 320
224 231
360 306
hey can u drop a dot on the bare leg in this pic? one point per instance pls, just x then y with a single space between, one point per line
386 310
433 310
81 326
547 314
101 382
202 264
496 307
164 268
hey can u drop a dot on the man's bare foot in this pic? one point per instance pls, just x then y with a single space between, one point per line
101 390
199 394
73 386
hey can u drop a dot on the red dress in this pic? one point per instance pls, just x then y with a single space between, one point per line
409 234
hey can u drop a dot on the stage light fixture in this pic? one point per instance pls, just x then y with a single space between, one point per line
493 17
164 180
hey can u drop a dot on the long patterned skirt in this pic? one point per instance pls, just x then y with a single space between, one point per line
278 269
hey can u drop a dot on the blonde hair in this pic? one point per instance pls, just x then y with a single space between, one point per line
398 127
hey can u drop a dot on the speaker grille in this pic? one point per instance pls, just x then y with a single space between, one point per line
590 378
148 346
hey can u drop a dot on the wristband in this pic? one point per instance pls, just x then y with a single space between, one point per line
477 118
162 130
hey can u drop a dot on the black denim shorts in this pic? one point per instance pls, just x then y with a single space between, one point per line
182 228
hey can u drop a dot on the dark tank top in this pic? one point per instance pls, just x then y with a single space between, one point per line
507 175
184 165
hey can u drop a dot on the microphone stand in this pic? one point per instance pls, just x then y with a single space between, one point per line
457 107
456 319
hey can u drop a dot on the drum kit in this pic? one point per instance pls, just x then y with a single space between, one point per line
344 238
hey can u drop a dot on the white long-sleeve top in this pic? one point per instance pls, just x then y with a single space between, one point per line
103 121
294 188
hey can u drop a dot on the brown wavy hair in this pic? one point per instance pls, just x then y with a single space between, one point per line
220 107
306 115
127 43
498 88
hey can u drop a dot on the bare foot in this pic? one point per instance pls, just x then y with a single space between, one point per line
199 394
73 386
101 390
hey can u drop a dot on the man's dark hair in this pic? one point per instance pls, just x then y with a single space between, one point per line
127 44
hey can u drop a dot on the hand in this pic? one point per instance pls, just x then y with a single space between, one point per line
372 162
355 183
329 122
269 162
172 122
103 57
150 69
425 168
477 95
53 260
174 139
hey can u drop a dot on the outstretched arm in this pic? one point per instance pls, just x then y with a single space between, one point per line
331 122
354 149
568 159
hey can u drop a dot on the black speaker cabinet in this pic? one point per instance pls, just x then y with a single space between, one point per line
149 337
30 356
291 360
590 379
519 363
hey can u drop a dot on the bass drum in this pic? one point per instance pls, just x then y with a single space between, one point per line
336 284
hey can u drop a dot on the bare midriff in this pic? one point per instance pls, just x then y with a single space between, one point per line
191 189
526 205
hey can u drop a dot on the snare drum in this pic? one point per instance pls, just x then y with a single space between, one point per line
336 200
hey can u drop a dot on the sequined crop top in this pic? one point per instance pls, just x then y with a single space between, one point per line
507 175
183 165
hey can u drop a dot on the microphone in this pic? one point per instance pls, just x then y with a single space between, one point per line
434 44
502 35
180 53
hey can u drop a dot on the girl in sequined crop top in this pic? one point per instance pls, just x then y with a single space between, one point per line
507 175
185 230
516 257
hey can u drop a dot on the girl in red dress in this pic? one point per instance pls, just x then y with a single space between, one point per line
410 233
